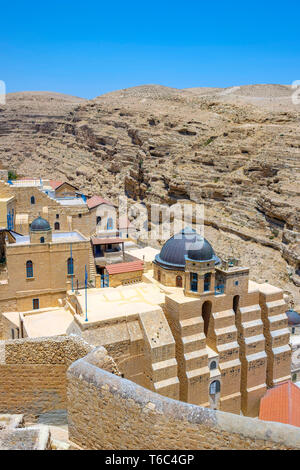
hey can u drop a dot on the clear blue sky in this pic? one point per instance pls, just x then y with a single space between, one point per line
92 47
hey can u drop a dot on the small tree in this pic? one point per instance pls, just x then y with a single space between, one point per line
12 175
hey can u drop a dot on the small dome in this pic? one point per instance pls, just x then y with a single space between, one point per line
185 244
40 225
293 317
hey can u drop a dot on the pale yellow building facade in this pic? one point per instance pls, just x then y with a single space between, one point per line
212 337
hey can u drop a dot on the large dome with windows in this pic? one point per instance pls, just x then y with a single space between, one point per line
40 225
185 244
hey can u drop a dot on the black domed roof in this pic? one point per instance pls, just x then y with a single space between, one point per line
293 317
185 244
40 225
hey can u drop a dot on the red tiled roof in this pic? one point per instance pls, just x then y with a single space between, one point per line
55 184
107 241
95 201
119 268
282 404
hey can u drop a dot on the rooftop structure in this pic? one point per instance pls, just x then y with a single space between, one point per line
40 225
281 404
119 268
96 201
185 244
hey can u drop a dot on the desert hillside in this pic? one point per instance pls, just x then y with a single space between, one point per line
237 150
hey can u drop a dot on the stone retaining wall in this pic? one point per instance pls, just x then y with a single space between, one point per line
33 374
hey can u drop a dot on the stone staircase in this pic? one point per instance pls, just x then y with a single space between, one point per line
92 266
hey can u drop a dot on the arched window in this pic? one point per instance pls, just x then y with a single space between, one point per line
70 264
213 365
158 275
56 226
29 269
214 387
110 223
178 281
98 220
42 240
32 200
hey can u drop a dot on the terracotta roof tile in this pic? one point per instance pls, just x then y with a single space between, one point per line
119 268
55 184
281 404
95 201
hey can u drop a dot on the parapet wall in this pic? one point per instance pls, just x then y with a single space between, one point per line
108 412
33 374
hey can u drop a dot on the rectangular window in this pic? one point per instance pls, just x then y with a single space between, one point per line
57 216
36 304
207 282
194 282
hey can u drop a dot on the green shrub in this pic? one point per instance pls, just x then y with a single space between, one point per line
12 175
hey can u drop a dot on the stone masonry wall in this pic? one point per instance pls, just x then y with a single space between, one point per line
33 374
108 412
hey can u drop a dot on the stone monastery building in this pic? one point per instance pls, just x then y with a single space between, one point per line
182 322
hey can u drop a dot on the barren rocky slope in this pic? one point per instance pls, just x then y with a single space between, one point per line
237 150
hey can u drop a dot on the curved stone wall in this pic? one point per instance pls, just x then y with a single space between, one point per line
108 412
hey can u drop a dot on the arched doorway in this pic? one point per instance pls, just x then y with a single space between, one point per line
178 281
235 303
206 315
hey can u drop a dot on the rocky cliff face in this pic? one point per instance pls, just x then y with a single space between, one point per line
235 150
